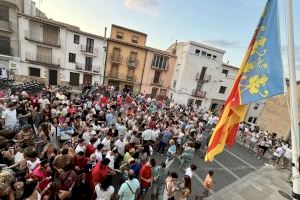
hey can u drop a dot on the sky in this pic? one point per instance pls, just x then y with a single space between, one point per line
225 24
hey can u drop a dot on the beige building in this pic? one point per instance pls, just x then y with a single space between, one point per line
275 116
125 59
158 73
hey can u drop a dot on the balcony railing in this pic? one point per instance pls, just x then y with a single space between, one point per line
5 25
132 62
121 76
42 59
160 68
93 68
117 59
89 51
206 78
38 37
199 93
158 82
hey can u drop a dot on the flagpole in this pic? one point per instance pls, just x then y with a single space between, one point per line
293 100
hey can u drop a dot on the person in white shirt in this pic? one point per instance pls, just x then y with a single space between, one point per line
81 146
190 170
155 134
9 117
88 134
106 142
277 155
120 144
32 161
43 102
105 190
146 135
98 152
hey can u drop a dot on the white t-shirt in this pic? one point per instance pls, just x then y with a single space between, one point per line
288 153
10 117
279 151
155 134
120 146
104 195
79 148
86 136
32 165
98 155
106 143
189 172
44 102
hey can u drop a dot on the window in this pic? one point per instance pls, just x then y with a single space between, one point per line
214 57
4 13
74 79
225 71
76 39
120 35
197 52
159 62
256 106
134 39
174 84
222 90
88 63
198 102
89 45
254 120
209 55
163 92
72 57
250 119
34 72
203 53
5 45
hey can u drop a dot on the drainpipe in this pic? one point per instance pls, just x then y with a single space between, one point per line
106 54
143 70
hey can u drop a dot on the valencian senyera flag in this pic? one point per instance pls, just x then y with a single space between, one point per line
260 76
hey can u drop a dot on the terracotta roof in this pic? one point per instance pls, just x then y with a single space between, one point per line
124 28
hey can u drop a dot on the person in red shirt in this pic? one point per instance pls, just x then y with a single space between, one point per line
41 173
71 109
99 172
90 149
80 161
120 101
146 177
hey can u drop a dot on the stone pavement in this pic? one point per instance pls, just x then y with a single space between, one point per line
265 183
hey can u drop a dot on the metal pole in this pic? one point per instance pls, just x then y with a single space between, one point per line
293 100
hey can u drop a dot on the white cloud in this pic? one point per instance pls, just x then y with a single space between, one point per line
146 6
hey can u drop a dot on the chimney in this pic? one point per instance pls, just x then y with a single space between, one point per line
105 32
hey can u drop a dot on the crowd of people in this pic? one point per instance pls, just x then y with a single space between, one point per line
105 145
108 145
261 142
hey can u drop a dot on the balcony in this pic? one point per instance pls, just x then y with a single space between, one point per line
115 75
42 59
116 59
158 82
199 93
132 62
165 68
85 68
38 37
88 51
5 25
206 78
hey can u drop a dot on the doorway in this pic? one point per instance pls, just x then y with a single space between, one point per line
52 77
87 79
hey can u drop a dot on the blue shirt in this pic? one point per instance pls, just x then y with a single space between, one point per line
166 136
109 119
